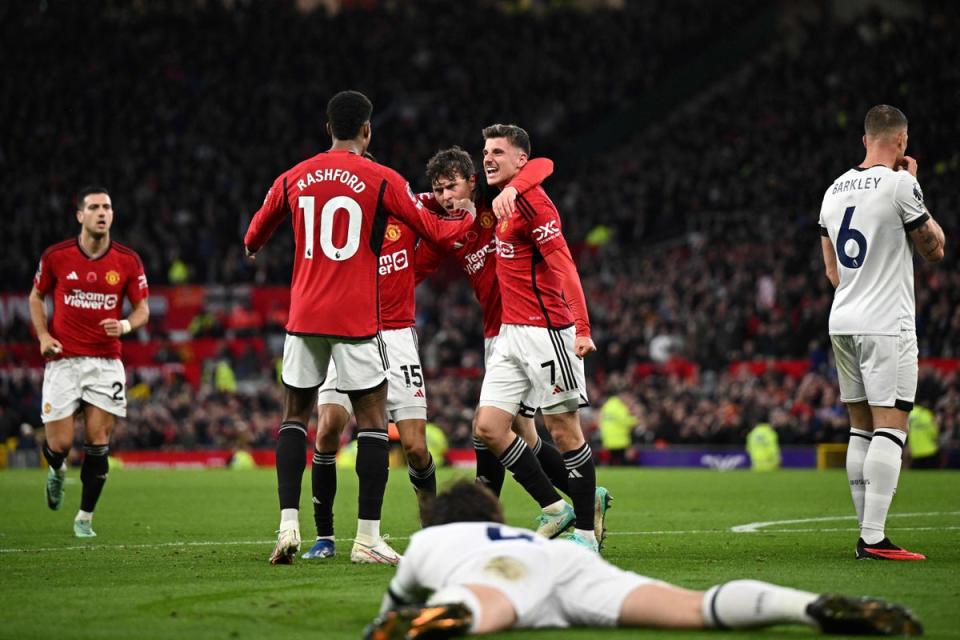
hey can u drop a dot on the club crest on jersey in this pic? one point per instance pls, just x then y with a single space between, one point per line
47 407
487 220
393 232
91 276
112 278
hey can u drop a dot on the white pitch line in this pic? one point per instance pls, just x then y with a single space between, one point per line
753 527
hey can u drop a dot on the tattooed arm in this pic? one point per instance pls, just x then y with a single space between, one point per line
929 240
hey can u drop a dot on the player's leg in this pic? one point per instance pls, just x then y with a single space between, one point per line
846 353
505 385
581 472
98 425
332 418
60 401
407 408
420 464
305 361
549 457
744 604
362 369
489 472
889 365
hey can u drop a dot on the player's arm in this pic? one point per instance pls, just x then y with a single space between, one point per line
929 240
137 318
925 232
266 220
829 259
562 264
49 346
531 174
446 231
426 260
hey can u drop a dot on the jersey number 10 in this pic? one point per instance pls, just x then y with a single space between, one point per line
848 234
327 216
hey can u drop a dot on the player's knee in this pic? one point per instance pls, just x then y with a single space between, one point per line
416 453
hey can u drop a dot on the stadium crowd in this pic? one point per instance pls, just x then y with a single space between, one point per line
695 233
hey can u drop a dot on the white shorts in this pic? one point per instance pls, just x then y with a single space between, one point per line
529 363
568 586
879 369
362 363
528 406
406 395
68 382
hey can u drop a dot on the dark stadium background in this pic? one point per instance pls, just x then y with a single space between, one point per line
692 140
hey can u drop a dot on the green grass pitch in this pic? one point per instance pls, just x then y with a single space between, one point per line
183 554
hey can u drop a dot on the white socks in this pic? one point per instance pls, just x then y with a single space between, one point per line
368 531
289 519
84 515
856 452
750 603
881 471
555 508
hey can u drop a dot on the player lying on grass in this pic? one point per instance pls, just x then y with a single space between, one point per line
487 577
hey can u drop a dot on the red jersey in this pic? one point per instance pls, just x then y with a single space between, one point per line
523 240
398 300
339 204
476 249
87 290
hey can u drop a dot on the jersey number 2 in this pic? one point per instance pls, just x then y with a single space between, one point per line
846 235
327 216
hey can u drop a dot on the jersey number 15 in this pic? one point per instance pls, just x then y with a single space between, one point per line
847 235
327 216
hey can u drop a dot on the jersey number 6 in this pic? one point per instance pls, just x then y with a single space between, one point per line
846 235
327 216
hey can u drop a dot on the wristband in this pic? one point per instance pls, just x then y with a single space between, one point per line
125 327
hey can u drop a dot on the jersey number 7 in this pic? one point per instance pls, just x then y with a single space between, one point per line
848 234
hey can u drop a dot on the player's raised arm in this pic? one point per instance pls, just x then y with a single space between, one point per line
533 173
266 220
925 233
929 240
426 260
401 202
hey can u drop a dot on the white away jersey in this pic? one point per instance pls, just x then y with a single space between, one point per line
867 213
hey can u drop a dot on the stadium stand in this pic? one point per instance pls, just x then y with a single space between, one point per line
694 229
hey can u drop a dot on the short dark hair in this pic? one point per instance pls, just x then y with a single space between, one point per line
450 163
346 112
517 136
883 120
89 191
462 501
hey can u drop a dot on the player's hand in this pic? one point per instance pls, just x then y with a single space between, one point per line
583 346
50 346
467 205
250 254
112 327
506 203
908 163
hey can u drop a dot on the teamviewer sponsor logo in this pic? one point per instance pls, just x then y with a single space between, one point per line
473 262
394 262
546 232
504 249
90 300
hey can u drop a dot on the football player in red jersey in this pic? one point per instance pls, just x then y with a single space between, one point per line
339 203
453 178
88 276
544 337
406 399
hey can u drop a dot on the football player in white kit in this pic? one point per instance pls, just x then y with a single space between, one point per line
486 577
872 218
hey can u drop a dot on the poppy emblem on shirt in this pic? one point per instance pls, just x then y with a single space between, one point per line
504 224
487 220
91 276
393 232
112 278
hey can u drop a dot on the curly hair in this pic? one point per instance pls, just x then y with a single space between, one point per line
462 501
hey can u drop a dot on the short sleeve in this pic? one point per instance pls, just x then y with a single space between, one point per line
543 224
137 287
44 279
909 202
